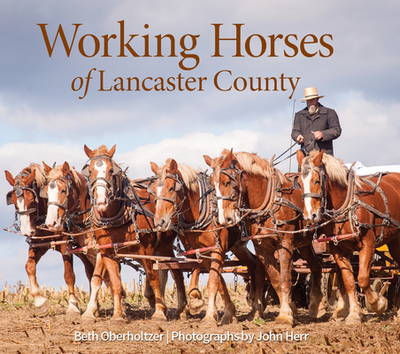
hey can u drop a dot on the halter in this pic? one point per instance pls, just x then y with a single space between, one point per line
178 187
323 193
236 179
64 206
18 190
109 187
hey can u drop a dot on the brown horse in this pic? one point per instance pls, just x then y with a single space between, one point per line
122 213
183 197
360 214
31 208
252 193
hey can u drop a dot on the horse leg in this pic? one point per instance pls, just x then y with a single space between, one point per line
317 306
95 285
196 302
342 306
213 284
257 283
343 262
394 249
230 310
265 254
69 276
41 302
177 275
377 302
285 253
113 269
154 280
148 291
250 261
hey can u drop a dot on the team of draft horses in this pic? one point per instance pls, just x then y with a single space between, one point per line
102 216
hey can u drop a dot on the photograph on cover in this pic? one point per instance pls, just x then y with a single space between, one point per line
214 176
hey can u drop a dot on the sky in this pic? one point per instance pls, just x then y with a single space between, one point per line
49 108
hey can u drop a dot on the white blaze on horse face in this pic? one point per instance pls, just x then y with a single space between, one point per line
221 216
101 201
307 200
26 228
53 221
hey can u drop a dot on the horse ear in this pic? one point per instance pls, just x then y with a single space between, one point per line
10 178
318 159
208 160
88 152
31 178
154 167
300 157
47 168
230 158
173 166
65 168
111 152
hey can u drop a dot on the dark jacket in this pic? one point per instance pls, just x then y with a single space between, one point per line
326 121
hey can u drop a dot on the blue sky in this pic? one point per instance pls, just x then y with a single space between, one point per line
43 119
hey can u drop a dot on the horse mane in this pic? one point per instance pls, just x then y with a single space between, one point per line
40 174
102 150
56 173
190 175
335 169
253 164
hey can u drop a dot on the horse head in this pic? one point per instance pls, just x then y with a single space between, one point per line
312 181
226 179
66 191
168 190
25 197
101 172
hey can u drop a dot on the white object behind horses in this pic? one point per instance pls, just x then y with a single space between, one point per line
361 170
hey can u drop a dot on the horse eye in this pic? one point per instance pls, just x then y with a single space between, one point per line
227 184
317 182
171 189
111 171
63 191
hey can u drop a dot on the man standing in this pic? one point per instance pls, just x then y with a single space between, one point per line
315 126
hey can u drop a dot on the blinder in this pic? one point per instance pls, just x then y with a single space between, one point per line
9 198
296 183
43 192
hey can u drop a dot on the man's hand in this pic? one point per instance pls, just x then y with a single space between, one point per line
300 139
317 135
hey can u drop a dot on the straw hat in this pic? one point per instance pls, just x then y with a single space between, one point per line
310 93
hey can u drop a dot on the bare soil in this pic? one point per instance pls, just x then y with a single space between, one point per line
22 331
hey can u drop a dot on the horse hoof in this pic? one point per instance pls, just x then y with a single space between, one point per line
157 316
228 320
43 309
118 321
353 321
284 320
73 313
196 306
88 319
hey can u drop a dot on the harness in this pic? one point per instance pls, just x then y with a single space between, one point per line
271 204
348 211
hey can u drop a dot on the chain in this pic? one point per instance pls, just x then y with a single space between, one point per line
140 289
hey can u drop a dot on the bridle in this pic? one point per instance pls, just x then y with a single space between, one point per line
178 187
18 190
93 184
67 180
322 195
236 182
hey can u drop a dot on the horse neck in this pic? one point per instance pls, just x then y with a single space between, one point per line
190 207
256 188
336 194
